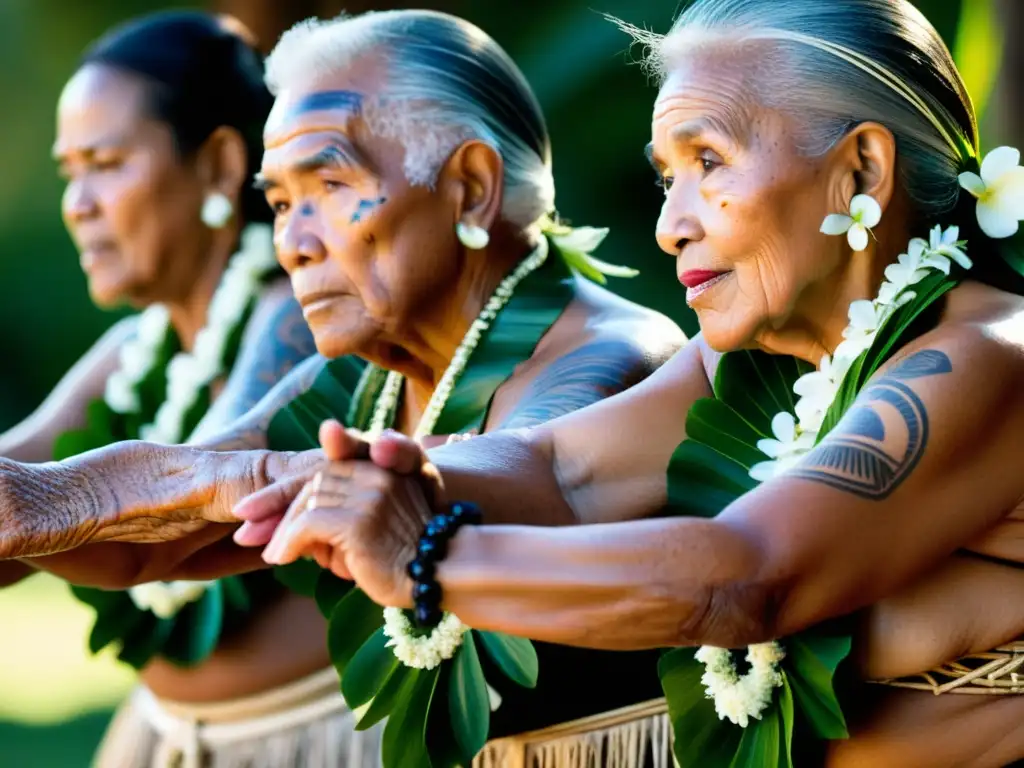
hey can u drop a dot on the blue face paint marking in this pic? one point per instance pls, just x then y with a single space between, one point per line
365 207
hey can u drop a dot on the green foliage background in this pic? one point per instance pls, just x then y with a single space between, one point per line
53 703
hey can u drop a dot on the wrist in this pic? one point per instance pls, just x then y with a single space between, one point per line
434 545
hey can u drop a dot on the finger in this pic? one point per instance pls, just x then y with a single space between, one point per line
340 444
257 534
271 501
398 453
318 526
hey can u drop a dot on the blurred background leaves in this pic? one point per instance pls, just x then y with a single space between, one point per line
53 700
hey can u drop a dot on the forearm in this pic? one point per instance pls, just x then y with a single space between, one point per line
647 584
130 491
510 475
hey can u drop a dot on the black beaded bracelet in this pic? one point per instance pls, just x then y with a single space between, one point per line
432 547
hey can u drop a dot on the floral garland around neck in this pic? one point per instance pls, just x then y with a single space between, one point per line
1000 194
149 357
188 374
411 647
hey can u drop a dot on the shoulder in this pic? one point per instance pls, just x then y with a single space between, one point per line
600 346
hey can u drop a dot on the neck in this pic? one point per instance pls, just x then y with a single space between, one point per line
815 326
188 309
438 332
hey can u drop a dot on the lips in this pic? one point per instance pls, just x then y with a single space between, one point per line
697 281
693 278
317 300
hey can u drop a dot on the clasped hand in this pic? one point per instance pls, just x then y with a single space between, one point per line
360 519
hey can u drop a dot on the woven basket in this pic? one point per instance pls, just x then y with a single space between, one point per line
992 673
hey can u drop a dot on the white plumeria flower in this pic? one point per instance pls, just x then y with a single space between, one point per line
1000 192
785 449
865 213
912 267
166 599
818 389
153 325
947 243
866 317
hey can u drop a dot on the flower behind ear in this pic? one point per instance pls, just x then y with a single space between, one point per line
1000 192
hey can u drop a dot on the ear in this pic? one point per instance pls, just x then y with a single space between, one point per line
222 162
474 177
863 163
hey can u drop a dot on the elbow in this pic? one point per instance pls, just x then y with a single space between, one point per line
733 615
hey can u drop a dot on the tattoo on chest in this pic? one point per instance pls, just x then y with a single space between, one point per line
882 437
582 377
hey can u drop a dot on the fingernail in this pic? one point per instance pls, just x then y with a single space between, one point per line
242 534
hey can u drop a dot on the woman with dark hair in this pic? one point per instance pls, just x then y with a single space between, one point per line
159 132
843 444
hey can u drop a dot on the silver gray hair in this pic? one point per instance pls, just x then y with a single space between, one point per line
447 82
837 63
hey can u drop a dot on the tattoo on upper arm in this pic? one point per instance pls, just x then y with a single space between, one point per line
578 379
864 456
251 432
271 358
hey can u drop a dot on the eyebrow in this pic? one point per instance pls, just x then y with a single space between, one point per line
649 154
693 129
88 150
334 155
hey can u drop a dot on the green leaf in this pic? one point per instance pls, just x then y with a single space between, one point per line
702 482
442 748
714 424
758 385
300 577
369 670
468 702
236 596
354 619
197 628
329 592
761 741
296 426
382 704
404 741
811 662
146 641
514 656
114 624
701 739
788 718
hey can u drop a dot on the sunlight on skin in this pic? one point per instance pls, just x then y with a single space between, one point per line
46 672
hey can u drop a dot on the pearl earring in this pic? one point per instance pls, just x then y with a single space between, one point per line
217 210
473 237
865 213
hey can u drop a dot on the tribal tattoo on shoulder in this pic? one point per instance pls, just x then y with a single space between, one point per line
583 377
882 437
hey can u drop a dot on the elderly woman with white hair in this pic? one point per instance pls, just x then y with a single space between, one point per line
843 442
409 170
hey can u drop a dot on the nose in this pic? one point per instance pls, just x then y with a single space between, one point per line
78 204
677 226
297 245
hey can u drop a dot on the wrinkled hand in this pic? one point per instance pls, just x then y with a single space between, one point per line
133 492
359 519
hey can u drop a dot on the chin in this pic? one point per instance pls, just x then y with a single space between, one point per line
724 334
108 296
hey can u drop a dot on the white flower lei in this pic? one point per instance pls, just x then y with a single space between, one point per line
428 651
187 375
737 697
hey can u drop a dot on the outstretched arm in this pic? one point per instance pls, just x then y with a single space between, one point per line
150 485
913 472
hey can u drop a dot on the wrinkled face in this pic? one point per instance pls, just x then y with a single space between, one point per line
367 252
131 205
742 207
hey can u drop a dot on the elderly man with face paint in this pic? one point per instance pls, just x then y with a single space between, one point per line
409 170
